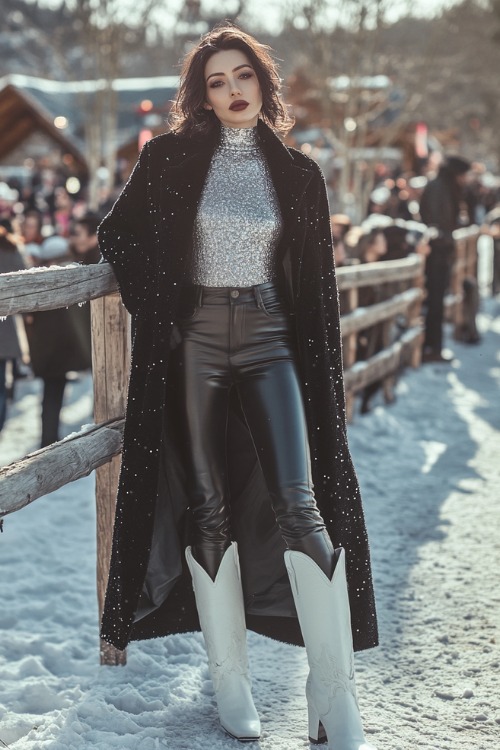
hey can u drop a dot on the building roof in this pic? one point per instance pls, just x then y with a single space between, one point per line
28 103
21 115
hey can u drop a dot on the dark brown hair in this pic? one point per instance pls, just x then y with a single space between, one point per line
90 221
188 115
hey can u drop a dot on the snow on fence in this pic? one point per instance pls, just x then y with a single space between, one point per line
98 447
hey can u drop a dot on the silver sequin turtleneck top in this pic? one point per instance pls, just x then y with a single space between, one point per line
238 224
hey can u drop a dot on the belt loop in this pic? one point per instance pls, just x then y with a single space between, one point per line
199 296
258 296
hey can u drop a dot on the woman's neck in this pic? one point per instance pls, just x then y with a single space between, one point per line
238 138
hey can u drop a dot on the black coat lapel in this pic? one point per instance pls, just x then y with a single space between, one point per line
290 181
180 179
184 174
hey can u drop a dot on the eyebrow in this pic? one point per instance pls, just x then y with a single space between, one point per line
238 67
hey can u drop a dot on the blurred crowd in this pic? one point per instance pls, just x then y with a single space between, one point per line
403 210
418 214
43 224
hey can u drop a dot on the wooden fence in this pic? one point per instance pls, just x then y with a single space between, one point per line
464 266
98 447
402 281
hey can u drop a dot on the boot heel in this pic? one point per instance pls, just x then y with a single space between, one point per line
317 734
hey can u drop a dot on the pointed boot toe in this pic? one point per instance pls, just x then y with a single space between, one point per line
237 713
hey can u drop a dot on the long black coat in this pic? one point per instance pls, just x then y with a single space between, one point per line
147 239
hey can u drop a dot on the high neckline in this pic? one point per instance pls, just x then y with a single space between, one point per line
240 139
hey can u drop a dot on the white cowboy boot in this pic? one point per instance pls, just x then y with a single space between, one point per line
222 620
325 620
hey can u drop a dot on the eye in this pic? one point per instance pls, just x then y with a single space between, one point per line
216 84
246 75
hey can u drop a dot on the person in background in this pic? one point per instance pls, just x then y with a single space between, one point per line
7 199
10 260
440 208
63 211
85 250
379 200
83 239
58 343
341 224
107 197
402 236
31 230
372 246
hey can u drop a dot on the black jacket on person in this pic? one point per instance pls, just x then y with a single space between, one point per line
440 206
147 239
59 342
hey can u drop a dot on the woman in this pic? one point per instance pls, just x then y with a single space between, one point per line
221 245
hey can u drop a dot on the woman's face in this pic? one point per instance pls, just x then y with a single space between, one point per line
232 89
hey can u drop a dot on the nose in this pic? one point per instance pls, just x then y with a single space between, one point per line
235 89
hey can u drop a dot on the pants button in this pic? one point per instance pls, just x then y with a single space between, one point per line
234 293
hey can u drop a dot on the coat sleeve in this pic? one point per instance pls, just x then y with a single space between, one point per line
323 294
124 238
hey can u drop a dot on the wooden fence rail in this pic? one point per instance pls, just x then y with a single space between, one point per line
54 287
58 464
381 272
363 317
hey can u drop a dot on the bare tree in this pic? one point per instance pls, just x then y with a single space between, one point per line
350 43
104 32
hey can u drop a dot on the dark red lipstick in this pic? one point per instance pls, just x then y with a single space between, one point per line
239 105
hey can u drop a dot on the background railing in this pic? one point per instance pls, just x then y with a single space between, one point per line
399 282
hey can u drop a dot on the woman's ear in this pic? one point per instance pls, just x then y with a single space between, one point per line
207 106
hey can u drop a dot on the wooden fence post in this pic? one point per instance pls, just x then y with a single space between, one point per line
458 275
389 381
350 347
110 366
414 317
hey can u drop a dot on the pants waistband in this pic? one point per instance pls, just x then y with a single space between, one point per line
220 295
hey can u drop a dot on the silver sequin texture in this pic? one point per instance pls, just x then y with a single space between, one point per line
238 224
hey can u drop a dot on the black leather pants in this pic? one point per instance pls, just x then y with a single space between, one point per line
241 337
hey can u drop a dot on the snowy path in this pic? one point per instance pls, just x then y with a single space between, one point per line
430 471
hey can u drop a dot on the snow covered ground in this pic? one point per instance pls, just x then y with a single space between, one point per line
430 472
